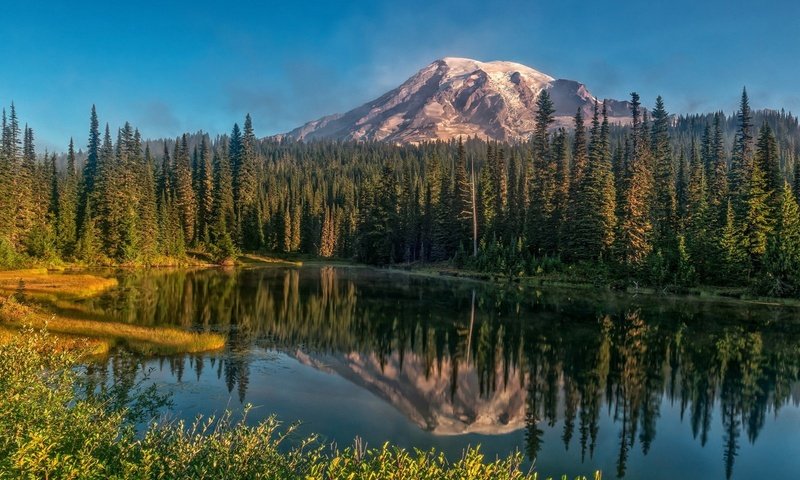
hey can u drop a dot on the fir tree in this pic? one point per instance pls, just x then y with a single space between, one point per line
544 178
742 157
185 200
767 158
635 227
696 217
757 224
665 201
718 180
24 189
782 258
246 178
488 196
67 222
558 220
463 195
682 189
599 194
88 248
732 255
378 220
223 208
328 241
797 180
205 190
575 207
148 208
90 170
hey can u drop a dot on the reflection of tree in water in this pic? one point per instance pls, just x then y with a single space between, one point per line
574 358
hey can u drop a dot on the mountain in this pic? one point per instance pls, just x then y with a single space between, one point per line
455 97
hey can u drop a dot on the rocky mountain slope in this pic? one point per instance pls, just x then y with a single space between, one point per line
455 97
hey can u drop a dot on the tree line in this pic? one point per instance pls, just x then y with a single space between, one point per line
666 200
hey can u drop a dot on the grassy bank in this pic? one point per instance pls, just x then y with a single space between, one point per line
44 284
25 294
47 430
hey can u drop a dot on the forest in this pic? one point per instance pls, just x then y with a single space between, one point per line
666 200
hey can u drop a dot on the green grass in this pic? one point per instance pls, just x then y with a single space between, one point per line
49 430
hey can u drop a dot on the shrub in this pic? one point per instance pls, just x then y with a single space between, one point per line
48 429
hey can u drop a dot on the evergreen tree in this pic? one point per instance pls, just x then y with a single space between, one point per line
767 158
782 258
205 189
246 178
378 220
731 252
635 227
665 201
718 180
68 199
90 170
797 180
24 179
575 207
593 198
682 189
171 233
185 200
463 196
697 214
757 224
488 195
543 187
328 241
558 220
742 157
148 208
223 208
88 248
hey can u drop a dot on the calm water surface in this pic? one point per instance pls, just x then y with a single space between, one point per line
638 387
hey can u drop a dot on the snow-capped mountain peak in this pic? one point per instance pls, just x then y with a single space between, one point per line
454 97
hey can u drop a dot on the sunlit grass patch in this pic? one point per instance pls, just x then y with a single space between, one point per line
254 259
105 335
39 283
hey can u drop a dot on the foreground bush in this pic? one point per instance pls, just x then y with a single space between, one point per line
52 426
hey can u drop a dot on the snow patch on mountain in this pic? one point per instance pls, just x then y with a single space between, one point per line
455 97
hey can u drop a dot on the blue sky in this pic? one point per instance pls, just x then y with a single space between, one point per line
169 67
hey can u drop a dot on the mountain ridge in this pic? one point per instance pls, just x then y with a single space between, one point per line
455 96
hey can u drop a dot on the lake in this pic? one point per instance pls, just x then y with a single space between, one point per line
576 380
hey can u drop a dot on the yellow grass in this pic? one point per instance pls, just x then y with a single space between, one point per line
39 283
253 259
5 334
105 335
95 335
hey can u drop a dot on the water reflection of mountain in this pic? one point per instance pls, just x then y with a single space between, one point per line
460 357
433 402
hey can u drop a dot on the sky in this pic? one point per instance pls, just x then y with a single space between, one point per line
172 67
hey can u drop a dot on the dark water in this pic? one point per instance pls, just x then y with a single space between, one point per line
639 387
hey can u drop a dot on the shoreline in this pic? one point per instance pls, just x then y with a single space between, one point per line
71 282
